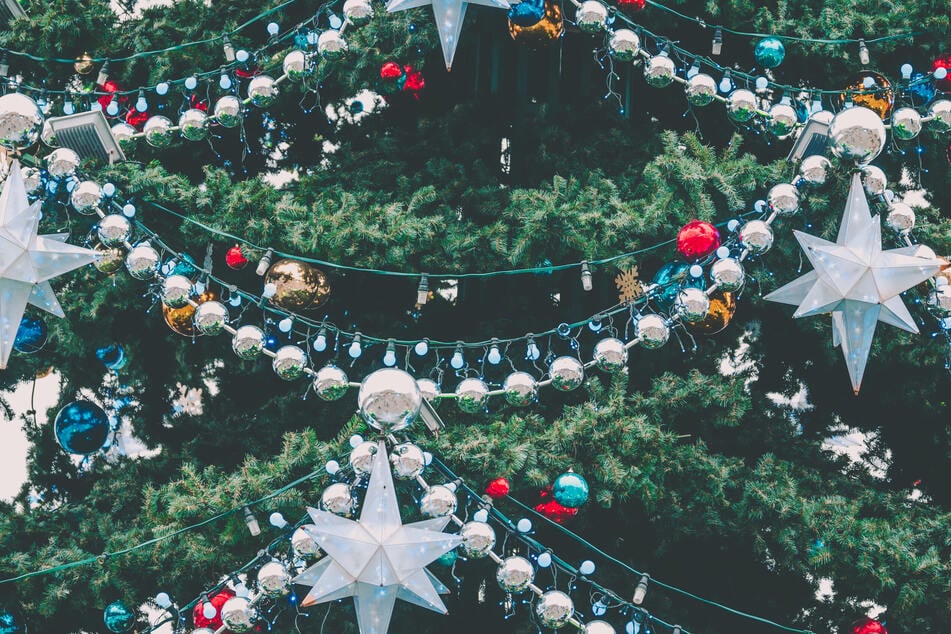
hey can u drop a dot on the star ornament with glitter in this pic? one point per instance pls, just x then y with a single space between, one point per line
28 261
857 282
449 15
377 559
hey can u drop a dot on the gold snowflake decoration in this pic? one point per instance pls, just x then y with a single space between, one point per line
629 285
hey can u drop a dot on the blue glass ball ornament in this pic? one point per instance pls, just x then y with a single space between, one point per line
10 624
669 279
355 107
921 89
448 558
185 266
769 52
112 356
31 336
81 428
118 617
570 490
271 342
527 13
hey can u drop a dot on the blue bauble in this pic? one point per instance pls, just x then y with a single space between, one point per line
669 279
769 52
81 428
527 12
271 342
31 336
112 356
570 490
185 266
922 90
118 617
10 624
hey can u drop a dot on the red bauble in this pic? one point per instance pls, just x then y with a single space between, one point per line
637 5
697 239
235 258
197 103
867 625
218 601
136 119
391 71
555 511
943 61
414 80
498 488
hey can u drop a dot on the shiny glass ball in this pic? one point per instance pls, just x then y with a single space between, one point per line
176 290
289 362
117 617
691 305
815 169
610 354
337 498
158 131
62 162
515 574
471 395
248 342
659 71
238 615
940 113
874 180
262 91
389 399
939 301
783 199
429 390
331 45
570 489
303 544
81 428
331 383
741 105
295 65
124 134
906 124
32 179
900 218
109 260
211 317
228 111
193 124
142 262
358 12
624 45
857 134
728 274
361 457
86 197
520 388
592 16
756 236
598 627
782 120
700 89
273 579
769 52
20 121
114 230
478 539
30 337
408 461
567 373
554 608
652 331
438 501
870 90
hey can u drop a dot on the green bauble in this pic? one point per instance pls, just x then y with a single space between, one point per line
570 490
769 52
118 617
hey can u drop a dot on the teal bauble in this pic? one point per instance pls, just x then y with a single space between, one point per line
669 279
118 617
448 558
769 52
570 490
10 624
184 266
81 428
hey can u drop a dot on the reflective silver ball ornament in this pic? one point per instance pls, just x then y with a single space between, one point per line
295 65
124 134
303 544
32 179
408 461
193 124
692 305
939 302
361 457
109 260
940 113
20 121
273 579
700 89
289 362
783 199
86 197
756 236
248 342
331 383
900 218
520 389
238 615
62 162
554 608
728 274
782 120
874 180
610 354
176 289
659 71
478 539
337 498
262 91
741 105
567 373
158 131
857 134
652 331
114 230
624 45
592 16
358 12
515 574
331 45
429 390
389 399
906 124
471 395
228 111
598 627
438 501
142 262
211 317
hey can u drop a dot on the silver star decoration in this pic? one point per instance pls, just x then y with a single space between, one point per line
377 559
857 282
449 15
28 261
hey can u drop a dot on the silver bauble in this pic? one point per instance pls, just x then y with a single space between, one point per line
124 134
783 199
262 91
62 162
389 399
700 89
193 124
429 390
756 236
338 498
20 121
741 105
728 274
211 317
273 579
659 71
478 539
815 169
692 305
86 197
438 501
248 342
782 120
408 461
554 608
47 136
32 179
567 373
110 260
515 574
158 131
202 630
358 12
295 65
874 180
142 262
237 614
520 389
624 45
906 124
652 331
592 16
361 457
900 218
610 354
114 230
331 45
939 302
822 116
857 134
176 290
289 362
598 627
228 111
940 113
303 544
471 395
331 383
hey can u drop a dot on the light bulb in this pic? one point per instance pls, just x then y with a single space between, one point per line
208 610
732 225
242 56
726 84
332 467
68 107
389 359
640 592
270 289
241 590
598 608
355 441
544 560
191 83
277 520
422 291
940 73
162 88
225 81
163 600
252 522
335 22
586 567
427 458
693 70
761 83
906 69
723 252
264 263
586 282
199 287
235 300
355 348
717 46
273 28
108 190
141 104
112 109
285 324
128 210
495 355
816 106
320 342
457 360
532 353
481 515
421 348
696 270
864 57
524 525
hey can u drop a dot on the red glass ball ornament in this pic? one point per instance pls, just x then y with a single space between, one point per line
697 239
218 601
498 488
867 625
637 5
198 104
555 511
943 61
235 258
414 80
136 119
390 71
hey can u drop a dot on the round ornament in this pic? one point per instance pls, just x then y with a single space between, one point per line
610 354
273 579
109 260
756 236
300 286
497 488
118 617
361 457
114 230
478 539
262 91
32 179
515 574
238 615
389 399
783 199
543 31
867 625
408 461
227 111
659 71
158 131
697 239
556 512
782 120
438 501
180 320
554 608
303 544
857 134
83 64
20 121
906 124
235 258
86 197
700 89
728 274
248 342
331 45
337 498
295 64
692 305
358 12
741 105
211 317
769 52
598 627
176 290
874 180
448 559
31 336
471 395
331 383
624 45
652 331
142 262
633 5
81 428
567 373
193 124
570 489
124 134
592 16
668 281
289 362
62 162
870 90
722 308
943 61
429 390
940 113
939 301
520 389
217 602
527 13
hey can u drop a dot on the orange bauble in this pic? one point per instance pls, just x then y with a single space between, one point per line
722 308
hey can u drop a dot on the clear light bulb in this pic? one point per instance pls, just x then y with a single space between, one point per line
761 83
209 611
162 88
544 560
225 81
421 348
495 356
112 109
457 360
277 520
285 324
320 342
355 349
108 190
906 69
332 467
389 359
242 56
141 104
726 85
199 287
235 300
163 600
273 28
68 107
587 567
940 73
532 353
481 515
524 525
128 210
355 441
191 83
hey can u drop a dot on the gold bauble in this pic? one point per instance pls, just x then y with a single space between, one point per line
83 64
548 29
299 285
182 320
40 374
870 90
111 260
722 307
